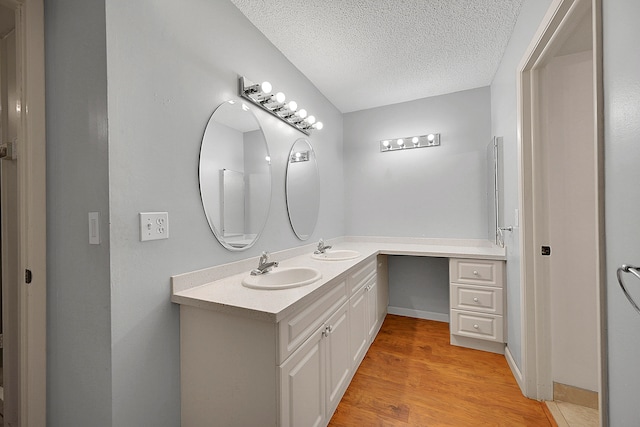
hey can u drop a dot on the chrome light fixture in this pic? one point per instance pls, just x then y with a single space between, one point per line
299 156
421 141
276 105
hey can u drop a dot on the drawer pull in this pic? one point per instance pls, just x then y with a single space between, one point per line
475 273
475 299
475 326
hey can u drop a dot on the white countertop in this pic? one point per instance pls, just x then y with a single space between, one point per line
219 288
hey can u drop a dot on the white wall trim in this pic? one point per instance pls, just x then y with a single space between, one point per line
555 26
517 373
419 314
32 211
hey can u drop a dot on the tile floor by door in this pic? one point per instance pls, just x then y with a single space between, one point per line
570 415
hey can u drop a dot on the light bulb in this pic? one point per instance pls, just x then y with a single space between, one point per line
400 142
318 125
298 155
265 87
311 120
280 97
385 143
293 106
415 140
268 159
302 113
431 137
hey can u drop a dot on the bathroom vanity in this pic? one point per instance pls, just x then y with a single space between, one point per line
286 357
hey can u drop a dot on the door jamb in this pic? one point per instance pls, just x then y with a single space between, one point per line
31 210
536 358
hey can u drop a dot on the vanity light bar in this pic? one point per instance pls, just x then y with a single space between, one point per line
276 105
299 156
421 141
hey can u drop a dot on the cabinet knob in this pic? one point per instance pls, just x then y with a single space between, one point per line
475 326
475 272
475 299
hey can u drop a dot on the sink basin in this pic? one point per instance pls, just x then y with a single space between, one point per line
283 278
337 255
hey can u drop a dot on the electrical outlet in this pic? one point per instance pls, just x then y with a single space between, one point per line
154 226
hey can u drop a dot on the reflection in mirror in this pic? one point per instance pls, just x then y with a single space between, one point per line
235 176
303 189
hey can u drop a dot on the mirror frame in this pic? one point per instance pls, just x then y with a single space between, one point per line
218 233
312 157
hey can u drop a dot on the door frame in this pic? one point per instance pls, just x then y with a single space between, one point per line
31 157
561 17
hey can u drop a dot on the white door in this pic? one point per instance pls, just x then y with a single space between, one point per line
302 384
621 35
372 308
9 123
338 357
358 328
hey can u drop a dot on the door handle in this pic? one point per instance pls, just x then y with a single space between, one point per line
636 272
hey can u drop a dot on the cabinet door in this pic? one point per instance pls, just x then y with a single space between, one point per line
382 285
302 384
338 357
372 308
358 326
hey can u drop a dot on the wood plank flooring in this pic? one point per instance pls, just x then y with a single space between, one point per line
412 376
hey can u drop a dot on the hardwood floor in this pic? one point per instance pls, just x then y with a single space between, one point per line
412 376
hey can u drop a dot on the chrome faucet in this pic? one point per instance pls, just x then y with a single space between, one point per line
264 266
322 248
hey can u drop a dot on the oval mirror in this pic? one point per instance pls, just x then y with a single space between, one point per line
235 176
303 189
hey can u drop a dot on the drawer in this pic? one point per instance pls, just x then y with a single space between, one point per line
476 325
476 272
299 325
477 298
360 276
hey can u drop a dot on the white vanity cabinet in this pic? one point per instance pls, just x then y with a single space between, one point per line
362 301
477 304
244 371
314 378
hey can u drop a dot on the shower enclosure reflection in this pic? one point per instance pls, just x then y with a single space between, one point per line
235 176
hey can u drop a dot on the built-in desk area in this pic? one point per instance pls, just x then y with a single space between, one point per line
285 357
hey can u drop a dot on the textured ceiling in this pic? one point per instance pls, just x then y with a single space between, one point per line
367 53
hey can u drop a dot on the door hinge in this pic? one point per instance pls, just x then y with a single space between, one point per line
28 276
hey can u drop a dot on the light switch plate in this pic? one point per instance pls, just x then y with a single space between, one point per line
154 226
94 228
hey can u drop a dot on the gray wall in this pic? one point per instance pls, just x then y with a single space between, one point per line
622 152
114 334
504 124
425 192
78 277
419 286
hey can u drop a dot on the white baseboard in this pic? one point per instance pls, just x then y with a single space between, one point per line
477 344
419 314
517 374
